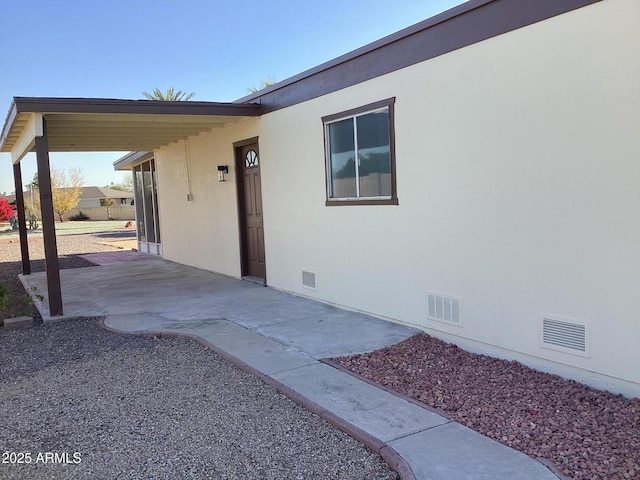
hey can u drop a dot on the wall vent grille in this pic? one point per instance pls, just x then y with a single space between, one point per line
309 279
445 309
565 335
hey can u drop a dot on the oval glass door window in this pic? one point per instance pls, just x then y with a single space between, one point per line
251 159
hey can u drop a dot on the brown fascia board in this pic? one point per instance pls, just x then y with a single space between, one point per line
6 128
140 107
466 24
127 161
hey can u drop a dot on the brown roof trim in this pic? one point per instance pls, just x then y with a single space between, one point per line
118 106
127 161
6 128
466 24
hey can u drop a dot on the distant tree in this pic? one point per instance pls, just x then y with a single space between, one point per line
6 210
264 83
66 188
125 185
169 96
32 201
107 202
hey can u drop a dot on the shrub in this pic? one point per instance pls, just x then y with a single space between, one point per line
79 217
4 296
6 209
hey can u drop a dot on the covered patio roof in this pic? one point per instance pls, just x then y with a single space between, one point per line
98 124
44 125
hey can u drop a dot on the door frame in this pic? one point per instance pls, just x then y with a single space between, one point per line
239 164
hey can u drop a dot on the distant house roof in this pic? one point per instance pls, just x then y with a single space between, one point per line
92 193
89 193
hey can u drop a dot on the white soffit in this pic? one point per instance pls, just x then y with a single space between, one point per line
102 125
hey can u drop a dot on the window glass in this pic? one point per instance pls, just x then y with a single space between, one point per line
342 159
360 158
374 167
154 177
148 202
138 186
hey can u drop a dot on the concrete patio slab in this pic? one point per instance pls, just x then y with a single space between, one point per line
136 322
329 333
144 323
279 308
283 337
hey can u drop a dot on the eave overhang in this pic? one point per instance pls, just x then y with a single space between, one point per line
97 124
131 159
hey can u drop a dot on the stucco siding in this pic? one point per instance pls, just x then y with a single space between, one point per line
518 183
517 177
202 232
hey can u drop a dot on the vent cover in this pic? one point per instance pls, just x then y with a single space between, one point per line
445 309
308 279
566 335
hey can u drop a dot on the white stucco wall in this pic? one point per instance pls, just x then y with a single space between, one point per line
519 187
518 182
202 232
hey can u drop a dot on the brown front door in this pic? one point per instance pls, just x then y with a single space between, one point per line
250 199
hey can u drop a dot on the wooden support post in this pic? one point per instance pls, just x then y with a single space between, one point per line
48 223
22 224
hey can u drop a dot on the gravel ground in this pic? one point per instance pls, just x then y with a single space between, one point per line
587 433
68 247
136 407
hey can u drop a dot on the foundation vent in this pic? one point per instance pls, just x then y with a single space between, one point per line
445 309
309 279
565 335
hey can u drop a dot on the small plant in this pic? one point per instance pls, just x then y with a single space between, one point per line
79 217
37 295
13 221
33 222
15 305
5 296
24 307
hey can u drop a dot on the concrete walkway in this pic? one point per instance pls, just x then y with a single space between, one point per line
283 338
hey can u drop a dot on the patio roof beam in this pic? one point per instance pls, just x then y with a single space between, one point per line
52 265
22 223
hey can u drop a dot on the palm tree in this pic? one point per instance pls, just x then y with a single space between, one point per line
169 96
266 82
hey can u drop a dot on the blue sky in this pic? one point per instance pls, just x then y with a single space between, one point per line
121 48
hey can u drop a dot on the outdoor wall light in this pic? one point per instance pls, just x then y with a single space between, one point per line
222 169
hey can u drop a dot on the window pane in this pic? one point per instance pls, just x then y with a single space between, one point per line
342 159
137 180
374 167
148 202
155 199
